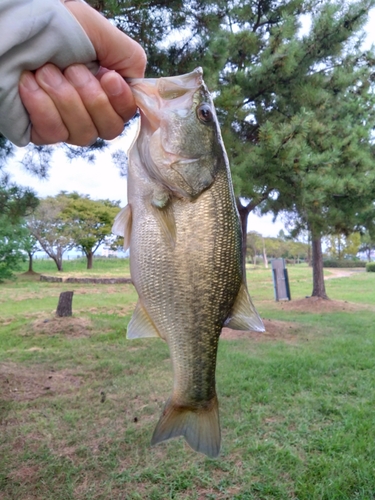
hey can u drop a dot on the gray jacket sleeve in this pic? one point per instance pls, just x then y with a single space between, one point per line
32 33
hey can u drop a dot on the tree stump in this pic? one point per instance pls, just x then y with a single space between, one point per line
64 307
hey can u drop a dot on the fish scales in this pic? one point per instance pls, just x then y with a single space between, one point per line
201 266
185 241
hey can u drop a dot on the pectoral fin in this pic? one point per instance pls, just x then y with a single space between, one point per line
167 223
244 316
122 225
141 326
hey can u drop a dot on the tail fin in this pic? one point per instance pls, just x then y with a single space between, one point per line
200 428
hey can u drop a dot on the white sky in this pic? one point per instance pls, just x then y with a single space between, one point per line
102 180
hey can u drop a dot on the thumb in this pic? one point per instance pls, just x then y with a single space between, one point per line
114 49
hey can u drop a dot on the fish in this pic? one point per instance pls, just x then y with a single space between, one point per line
183 230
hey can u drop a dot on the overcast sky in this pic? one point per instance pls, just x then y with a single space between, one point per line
101 180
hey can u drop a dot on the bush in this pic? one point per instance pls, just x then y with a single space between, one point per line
343 263
370 267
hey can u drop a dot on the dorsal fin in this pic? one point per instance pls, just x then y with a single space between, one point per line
244 316
122 225
141 326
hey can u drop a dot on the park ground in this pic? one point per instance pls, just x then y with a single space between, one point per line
78 402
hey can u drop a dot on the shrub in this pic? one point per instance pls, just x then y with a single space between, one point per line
370 267
343 263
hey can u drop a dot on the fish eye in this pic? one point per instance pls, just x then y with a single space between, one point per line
204 113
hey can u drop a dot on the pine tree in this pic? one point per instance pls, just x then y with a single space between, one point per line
295 104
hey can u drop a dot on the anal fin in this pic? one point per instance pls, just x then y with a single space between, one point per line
244 316
141 326
122 225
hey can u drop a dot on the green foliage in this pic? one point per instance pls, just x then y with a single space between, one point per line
15 203
343 263
367 243
297 106
89 222
370 267
340 246
282 246
288 249
11 239
48 226
70 220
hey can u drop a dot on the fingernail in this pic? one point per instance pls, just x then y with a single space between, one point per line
51 75
29 82
114 86
78 75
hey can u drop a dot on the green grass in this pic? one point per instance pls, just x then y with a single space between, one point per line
78 402
101 266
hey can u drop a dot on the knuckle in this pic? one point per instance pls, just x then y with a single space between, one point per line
52 134
83 139
111 133
100 101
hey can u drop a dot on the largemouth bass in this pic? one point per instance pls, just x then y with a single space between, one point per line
182 226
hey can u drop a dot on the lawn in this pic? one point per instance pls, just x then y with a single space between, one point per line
78 402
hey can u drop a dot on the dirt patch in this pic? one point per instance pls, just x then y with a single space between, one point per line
71 326
20 383
275 330
318 305
342 273
25 473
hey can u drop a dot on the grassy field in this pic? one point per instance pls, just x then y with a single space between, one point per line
78 402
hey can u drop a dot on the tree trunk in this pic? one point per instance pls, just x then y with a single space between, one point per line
244 213
30 263
319 289
58 263
89 257
64 307
265 260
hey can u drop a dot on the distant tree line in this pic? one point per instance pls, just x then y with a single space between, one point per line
337 248
55 225
267 248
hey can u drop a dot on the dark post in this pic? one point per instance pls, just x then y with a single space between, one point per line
64 307
280 280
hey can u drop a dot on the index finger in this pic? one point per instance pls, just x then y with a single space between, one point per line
114 49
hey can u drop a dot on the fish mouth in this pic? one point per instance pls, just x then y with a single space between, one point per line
170 87
154 94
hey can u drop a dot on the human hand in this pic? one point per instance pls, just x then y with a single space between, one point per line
74 106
